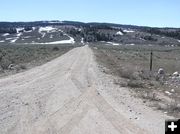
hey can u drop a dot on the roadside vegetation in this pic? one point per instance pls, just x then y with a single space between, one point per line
130 64
16 58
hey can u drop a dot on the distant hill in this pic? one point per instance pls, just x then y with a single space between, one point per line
87 32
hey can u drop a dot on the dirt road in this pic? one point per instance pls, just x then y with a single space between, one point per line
70 95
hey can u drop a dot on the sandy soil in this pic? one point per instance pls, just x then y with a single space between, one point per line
70 95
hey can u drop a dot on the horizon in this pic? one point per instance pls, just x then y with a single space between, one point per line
162 13
85 23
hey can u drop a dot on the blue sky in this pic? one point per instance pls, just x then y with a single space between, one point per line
161 13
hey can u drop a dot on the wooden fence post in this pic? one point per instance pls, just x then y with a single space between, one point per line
151 60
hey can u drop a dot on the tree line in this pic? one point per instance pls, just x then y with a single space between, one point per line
164 32
93 33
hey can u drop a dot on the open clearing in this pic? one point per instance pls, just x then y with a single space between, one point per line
70 95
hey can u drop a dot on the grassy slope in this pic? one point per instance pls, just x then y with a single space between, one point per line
28 56
131 65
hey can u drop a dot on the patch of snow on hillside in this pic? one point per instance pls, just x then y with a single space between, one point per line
179 41
128 31
114 44
51 36
2 41
43 35
10 38
82 40
16 38
46 29
19 29
26 37
61 31
19 34
70 41
130 44
119 33
6 34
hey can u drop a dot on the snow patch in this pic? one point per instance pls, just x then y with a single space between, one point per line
19 34
46 29
2 41
43 35
128 31
119 33
61 42
14 40
70 41
33 28
10 38
6 34
130 44
82 40
178 41
114 44
19 29
26 37
61 31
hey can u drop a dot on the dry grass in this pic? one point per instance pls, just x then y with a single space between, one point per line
131 65
135 84
22 57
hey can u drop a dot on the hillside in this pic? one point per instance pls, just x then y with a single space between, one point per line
69 32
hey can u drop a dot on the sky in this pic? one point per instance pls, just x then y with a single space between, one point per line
155 13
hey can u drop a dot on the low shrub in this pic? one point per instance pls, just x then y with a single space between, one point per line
135 84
